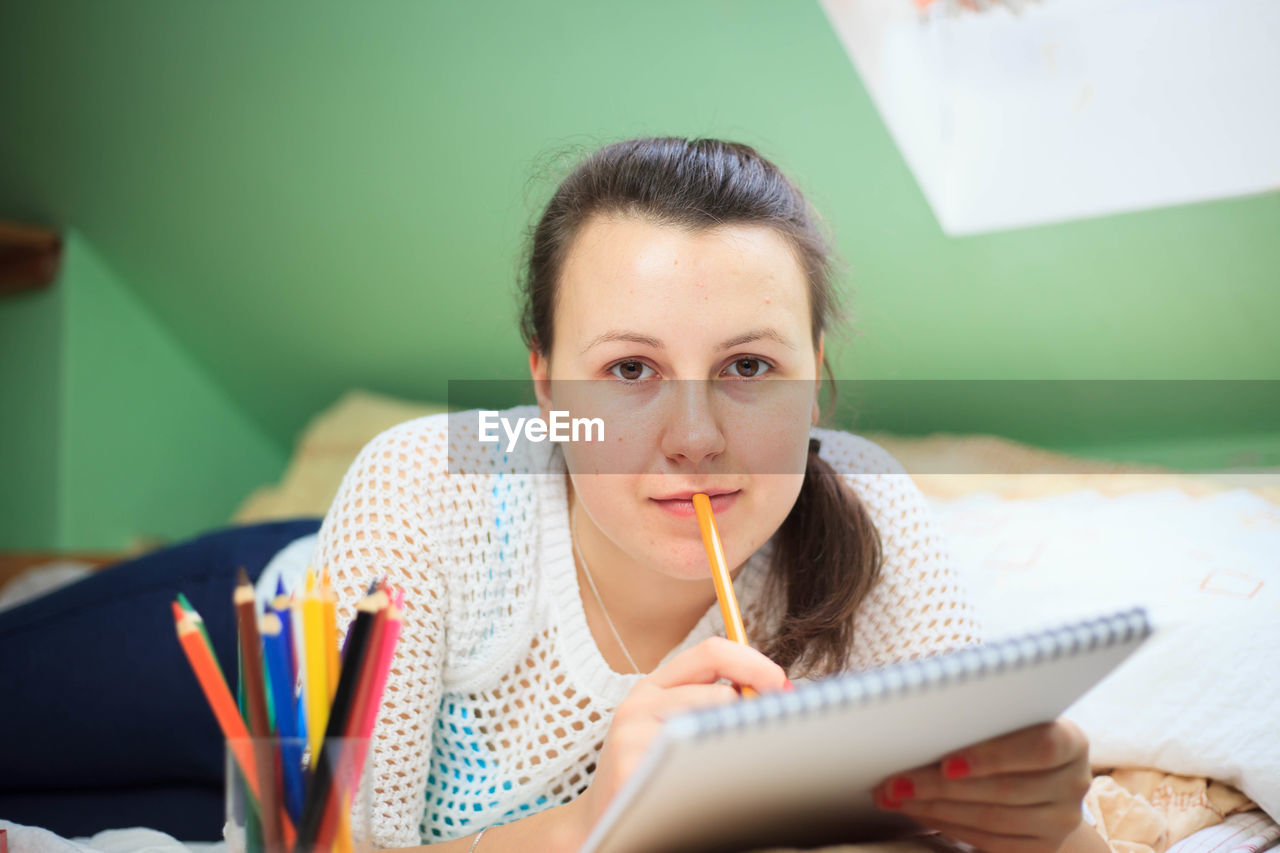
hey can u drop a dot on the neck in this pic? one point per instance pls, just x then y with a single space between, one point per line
651 611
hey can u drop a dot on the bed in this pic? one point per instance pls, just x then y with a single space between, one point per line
1184 737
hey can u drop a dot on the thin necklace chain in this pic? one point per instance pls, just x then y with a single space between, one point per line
573 534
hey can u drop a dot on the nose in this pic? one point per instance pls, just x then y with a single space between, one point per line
692 432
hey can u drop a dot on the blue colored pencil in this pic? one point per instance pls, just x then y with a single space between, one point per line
280 604
275 645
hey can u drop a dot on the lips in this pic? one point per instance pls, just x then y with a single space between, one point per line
688 495
680 504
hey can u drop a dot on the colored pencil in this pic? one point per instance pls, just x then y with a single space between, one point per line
333 660
207 672
380 657
313 667
280 605
204 631
318 796
299 656
382 671
259 725
368 674
275 646
335 826
720 576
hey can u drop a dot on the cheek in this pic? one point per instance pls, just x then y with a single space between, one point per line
772 497
630 424
767 430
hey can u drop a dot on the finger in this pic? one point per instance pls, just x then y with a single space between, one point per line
1039 747
691 697
1069 782
1033 821
716 658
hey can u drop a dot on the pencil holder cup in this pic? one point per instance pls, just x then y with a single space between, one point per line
280 800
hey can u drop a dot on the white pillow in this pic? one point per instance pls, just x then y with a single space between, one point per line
1202 696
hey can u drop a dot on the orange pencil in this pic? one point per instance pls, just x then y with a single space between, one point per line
216 691
720 576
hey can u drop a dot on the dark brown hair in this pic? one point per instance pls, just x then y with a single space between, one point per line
827 553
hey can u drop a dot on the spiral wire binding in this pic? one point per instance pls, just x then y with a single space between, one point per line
892 681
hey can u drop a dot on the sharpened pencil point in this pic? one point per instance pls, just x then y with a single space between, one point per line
242 579
182 600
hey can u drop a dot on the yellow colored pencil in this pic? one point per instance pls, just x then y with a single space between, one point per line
314 666
720 576
329 607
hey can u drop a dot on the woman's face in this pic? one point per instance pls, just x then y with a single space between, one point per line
725 314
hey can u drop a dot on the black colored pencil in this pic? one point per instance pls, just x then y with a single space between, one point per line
318 793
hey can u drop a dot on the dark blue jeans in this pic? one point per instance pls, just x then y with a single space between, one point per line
102 723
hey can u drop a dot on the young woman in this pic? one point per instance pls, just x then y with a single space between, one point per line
555 618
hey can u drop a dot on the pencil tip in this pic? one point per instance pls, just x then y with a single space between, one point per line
279 584
243 578
182 600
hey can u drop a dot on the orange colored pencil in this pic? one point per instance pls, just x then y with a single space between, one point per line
200 656
720 576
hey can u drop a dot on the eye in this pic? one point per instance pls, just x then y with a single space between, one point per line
631 371
748 367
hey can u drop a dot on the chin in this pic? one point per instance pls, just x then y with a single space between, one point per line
684 563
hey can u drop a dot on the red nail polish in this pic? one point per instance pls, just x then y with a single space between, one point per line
885 802
902 788
955 768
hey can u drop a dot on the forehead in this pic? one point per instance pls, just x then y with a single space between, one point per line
626 267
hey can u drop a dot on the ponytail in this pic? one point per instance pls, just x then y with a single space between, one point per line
826 559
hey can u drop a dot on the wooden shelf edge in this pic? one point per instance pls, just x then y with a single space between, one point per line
30 257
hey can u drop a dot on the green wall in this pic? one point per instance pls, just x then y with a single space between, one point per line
308 197
31 355
135 442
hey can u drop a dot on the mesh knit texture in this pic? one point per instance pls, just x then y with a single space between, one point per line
499 700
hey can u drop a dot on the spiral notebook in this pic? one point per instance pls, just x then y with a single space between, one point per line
796 769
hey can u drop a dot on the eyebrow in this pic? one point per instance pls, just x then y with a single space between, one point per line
650 341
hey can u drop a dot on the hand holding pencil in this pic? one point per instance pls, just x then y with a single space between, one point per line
688 681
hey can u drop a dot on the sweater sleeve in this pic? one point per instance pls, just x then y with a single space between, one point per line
919 606
381 525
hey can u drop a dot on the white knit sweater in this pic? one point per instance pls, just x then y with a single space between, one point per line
499 700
